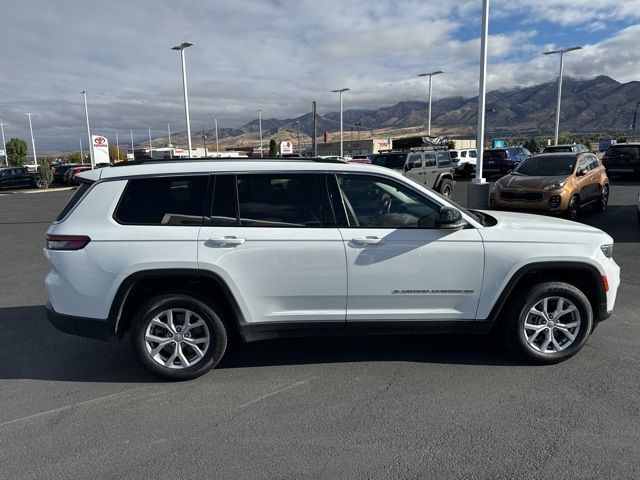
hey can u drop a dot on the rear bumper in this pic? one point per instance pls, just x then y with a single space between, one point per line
100 329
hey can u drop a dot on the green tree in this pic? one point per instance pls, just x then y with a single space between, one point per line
532 145
114 156
74 157
45 170
17 152
273 148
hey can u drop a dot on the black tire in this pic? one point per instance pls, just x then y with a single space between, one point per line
603 201
217 335
513 320
572 210
446 187
40 183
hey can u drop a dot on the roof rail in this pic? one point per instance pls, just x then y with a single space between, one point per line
225 159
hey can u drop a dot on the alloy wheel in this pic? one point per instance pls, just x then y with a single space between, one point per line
552 325
604 197
177 338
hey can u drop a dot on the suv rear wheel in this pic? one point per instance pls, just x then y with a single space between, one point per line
603 201
446 187
178 336
548 323
573 208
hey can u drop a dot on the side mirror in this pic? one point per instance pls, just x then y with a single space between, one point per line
407 167
582 172
451 219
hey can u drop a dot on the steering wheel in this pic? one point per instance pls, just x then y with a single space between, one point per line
385 205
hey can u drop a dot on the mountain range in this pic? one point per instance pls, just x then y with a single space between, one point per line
596 106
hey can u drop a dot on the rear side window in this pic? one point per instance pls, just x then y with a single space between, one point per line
73 201
429 159
444 160
281 200
494 155
163 201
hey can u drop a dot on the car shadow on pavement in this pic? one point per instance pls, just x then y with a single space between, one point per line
34 349
619 221
438 349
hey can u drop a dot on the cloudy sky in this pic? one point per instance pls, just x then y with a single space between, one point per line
279 55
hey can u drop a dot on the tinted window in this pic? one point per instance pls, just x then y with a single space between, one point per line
494 155
163 201
593 162
429 159
390 160
5 173
223 210
463 154
473 153
547 165
383 203
75 198
414 161
281 200
444 160
620 151
454 154
583 163
558 149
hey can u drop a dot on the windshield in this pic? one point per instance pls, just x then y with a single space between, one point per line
390 160
546 166
623 151
557 149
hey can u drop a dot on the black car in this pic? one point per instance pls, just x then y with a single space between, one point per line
622 158
502 160
58 171
19 177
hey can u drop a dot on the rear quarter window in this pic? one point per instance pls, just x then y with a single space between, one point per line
444 160
171 201
74 200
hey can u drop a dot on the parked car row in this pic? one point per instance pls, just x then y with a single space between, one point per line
20 177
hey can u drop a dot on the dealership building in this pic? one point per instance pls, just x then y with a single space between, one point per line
354 147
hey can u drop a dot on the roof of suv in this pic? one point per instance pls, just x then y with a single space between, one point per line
164 167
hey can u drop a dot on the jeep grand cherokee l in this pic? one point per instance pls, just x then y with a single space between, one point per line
182 254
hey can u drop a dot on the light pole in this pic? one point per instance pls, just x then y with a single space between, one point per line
635 123
340 92
478 189
170 146
561 52
133 153
298 134
4 145
86 114
430 75
150 146
215 121
260 125
181 48
81 153
117 147
358 125
33 142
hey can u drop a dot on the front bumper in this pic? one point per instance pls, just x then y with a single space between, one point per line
543 204
100 329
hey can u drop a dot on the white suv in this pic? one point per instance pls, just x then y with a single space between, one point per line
464 161
183 254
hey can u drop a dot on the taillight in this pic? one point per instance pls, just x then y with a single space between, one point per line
67 242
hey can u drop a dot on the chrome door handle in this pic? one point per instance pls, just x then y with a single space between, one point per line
225 241
368 241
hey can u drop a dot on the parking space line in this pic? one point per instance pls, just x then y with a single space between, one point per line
271 394
68 407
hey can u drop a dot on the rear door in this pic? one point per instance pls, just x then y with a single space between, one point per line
414 168
277 247
23 179
585 181
430 168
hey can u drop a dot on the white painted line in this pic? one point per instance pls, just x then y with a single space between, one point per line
276 392
67 407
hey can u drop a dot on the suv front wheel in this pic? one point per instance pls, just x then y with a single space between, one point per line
178 336
548 323
446 187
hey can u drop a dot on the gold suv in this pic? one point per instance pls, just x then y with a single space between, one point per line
560 183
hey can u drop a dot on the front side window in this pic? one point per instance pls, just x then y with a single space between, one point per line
163 201
429 159
281 200
377 202
414 161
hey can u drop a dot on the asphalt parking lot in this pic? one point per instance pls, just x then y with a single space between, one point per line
383 407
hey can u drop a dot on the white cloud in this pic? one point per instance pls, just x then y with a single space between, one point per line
275 55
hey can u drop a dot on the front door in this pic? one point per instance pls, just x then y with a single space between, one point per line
400 265
414 168
430 168
277 247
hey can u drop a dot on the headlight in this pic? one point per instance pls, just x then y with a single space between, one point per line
499 184
555 185
607 250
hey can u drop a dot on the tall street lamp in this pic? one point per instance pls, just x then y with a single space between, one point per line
33 142
340 91
635 123
561 52
81 152
150 146
430 75
4 145
478 189
215 122
133 153
170 146
86 114
117 147
260 125
181 48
